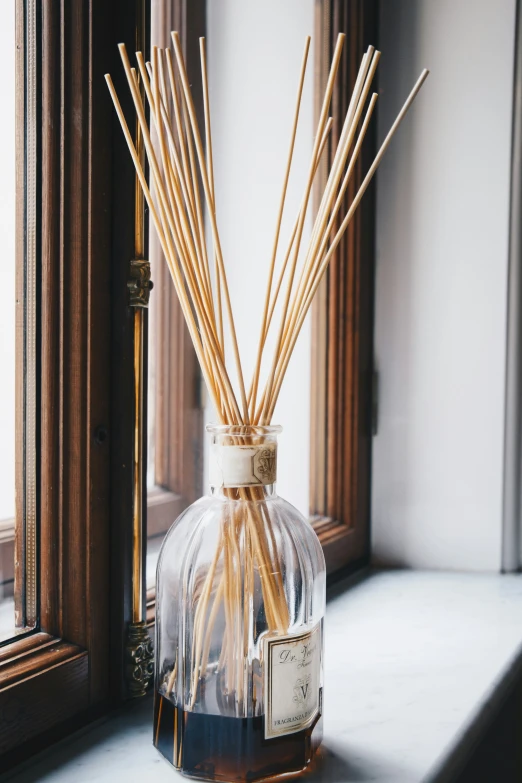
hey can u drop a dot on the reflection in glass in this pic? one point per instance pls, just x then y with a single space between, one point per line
18 535
7 322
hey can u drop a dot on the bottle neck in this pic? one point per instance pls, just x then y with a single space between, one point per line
243 468
256 492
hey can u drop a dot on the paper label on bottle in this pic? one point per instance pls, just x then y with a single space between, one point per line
292 668
243 466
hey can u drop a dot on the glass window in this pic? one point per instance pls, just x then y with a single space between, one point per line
324 459
175 417
18 588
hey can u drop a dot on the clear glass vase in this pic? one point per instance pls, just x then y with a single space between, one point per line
239 640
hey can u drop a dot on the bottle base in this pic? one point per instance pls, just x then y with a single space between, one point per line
230 750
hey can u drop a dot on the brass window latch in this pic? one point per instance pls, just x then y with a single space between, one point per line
139 284
139 656
139 653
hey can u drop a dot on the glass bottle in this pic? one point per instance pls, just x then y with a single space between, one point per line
241 585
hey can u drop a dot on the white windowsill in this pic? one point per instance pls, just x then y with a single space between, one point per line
414 662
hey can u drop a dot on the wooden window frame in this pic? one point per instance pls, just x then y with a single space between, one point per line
69 670
56 674
73 667
342 327
342 321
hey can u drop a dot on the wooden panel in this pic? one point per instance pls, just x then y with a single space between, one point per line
34 661
85 237
343 319
132 29
48 677
97 422
17 649
75 444
62 691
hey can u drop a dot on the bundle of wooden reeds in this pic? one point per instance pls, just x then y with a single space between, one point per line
180 166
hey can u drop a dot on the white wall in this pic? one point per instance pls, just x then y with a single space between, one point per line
442 232
253 70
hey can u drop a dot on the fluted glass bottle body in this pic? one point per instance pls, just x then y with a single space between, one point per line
240 606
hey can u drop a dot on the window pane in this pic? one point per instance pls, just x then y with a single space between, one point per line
18 587
250 152
175 423
7 323
248 147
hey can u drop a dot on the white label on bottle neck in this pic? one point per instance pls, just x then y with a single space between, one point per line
243 466
292 669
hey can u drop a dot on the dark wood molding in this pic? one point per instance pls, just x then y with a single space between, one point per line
342 325
132 28
43 681
47 656
53 680
75 322
50 680
29 707
35 641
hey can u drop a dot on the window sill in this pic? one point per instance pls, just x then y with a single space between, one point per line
417 664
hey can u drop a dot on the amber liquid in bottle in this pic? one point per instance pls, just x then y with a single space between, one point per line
213 747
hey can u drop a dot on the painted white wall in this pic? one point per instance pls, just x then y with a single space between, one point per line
7 232
442 238
254 70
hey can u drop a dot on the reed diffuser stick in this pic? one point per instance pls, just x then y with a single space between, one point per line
326 231
210 169
322 266
212 215
297 244
255 381
277 289
247 552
